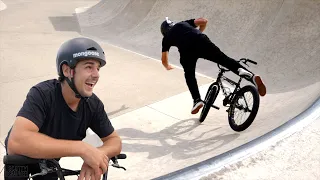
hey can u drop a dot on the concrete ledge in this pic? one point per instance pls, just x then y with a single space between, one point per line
81 9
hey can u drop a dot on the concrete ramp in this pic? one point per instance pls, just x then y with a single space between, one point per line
109 8
149 106
282 36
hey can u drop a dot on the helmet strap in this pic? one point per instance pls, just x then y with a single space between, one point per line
73 87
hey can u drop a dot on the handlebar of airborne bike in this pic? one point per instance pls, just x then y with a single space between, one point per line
19 160
244 60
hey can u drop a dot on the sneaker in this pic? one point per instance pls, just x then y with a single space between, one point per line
259 84
197 105
255 79
244 73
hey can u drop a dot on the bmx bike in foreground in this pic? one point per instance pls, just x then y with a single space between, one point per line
16 167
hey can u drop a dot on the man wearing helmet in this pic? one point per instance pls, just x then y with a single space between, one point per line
56 113
193 44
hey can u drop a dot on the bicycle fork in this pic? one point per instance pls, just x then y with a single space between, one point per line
215 88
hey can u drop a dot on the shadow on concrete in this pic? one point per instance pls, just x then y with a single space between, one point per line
122 108
174 140
65 23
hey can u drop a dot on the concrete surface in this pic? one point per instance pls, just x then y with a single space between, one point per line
295 157
34 40
212 165
159 133
282 36
30 34
2 6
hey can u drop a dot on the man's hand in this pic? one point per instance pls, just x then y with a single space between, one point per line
168 67
201 22
164 60
88 173
96 159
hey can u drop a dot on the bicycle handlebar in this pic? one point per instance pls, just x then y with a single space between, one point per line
245 60
24 160
120 156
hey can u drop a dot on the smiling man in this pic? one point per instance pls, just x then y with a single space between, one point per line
56 113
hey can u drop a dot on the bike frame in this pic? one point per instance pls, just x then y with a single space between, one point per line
218 84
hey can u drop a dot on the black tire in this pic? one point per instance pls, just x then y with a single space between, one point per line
105 176
254 110
209 99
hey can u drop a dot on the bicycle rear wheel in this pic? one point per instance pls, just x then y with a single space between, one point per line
209 99
247 101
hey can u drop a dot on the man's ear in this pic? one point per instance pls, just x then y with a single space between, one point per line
66 70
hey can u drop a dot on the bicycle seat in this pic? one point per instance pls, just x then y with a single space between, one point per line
19 160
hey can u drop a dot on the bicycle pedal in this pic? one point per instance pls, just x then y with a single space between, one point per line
216 107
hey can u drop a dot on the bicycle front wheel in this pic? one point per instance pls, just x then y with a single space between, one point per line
209 100
243 108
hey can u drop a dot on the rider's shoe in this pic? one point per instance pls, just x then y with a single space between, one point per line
255 79
244 73
258 83
197 105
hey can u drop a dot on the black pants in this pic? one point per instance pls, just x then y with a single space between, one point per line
205 49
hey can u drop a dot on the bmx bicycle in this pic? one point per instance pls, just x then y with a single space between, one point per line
239 99
16 166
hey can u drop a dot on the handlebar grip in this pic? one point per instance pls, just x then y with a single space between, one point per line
253 62
121 156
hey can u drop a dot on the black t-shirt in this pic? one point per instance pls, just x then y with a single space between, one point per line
46 107
183 35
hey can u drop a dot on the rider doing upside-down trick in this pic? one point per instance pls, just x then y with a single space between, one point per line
193 44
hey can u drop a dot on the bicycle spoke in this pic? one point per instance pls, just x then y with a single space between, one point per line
242 113
238 114
241 119
246 100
